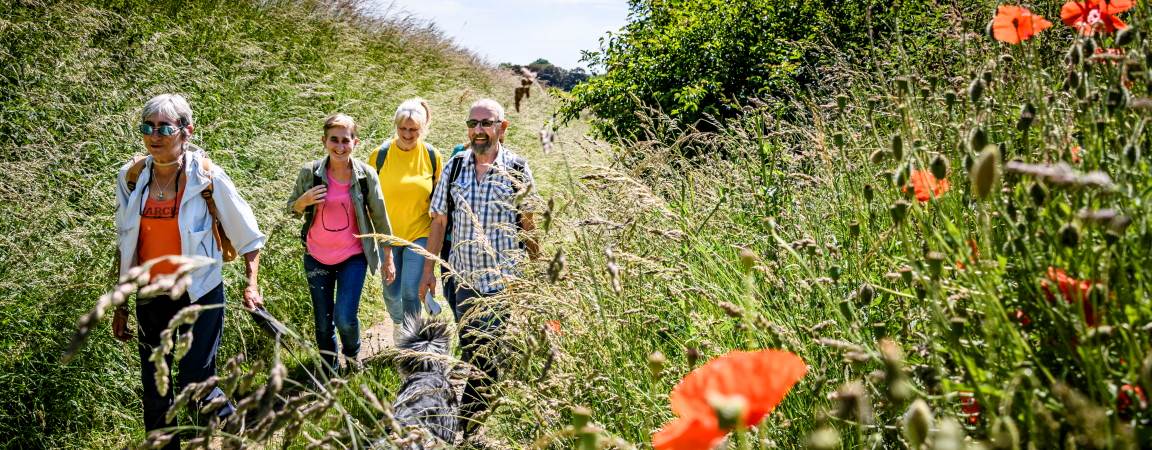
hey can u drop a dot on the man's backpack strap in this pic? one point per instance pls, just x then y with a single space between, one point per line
453 166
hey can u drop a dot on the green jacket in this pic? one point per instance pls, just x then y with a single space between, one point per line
366 179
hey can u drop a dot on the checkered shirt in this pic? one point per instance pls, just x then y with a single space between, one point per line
485 245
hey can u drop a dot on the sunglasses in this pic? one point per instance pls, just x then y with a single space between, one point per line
165 130
483 123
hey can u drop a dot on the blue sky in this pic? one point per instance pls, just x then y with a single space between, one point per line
520 31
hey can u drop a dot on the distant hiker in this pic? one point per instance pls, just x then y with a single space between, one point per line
527 77
339 198
408 168
167 203
481 197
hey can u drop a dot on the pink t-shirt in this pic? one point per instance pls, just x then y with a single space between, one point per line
331 240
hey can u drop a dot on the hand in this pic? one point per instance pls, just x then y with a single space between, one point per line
311 197
427 284
388 271
120 328
252 298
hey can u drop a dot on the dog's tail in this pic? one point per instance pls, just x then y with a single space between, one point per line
418 334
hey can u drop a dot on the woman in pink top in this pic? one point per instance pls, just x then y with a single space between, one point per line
340 198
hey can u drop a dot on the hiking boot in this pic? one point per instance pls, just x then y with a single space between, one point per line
352 365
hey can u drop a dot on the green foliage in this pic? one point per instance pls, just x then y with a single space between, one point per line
699 59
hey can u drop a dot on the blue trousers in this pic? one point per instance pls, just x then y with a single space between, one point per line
335 291
198 364
402 297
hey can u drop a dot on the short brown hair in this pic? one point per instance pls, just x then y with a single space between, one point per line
340 120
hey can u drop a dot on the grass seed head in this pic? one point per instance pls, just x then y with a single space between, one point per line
985 173
916 423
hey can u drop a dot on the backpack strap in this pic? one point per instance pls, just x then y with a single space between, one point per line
382 154
454 165
134 171
227 251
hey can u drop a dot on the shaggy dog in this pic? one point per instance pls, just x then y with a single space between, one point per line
426 400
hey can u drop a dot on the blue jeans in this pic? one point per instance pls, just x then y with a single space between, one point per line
335 293
198 364
402 297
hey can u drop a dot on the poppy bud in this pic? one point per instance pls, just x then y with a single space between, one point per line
1088 46
1005 434
693 355
834 273
1116 99
1027 114
1126 36
841 102
899 211
866 294
1007 59
924 93
987 76
869 193
1073 80
900 176
846 310
877 156
824 438
901 84
985 172
1075 55
1038 192
949 99
917 421
838 139
748 259
854 229
977 139
897 147
1131 154
935 262
1082 91
976 90
906 274
1069 235
656 362
949 435
939 167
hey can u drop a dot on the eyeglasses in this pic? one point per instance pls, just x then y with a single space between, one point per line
483 123
165 130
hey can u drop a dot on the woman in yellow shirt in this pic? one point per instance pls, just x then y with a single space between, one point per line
409 168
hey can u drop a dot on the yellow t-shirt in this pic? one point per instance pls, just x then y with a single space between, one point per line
406 181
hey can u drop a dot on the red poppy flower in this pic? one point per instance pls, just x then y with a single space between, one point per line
926 186
1023 318
1073 291
1014 24
969 408
1091 15
1127 397
761 378
1075 151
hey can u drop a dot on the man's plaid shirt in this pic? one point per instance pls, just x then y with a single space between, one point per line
485 244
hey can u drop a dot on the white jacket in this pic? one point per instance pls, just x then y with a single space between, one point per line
194 221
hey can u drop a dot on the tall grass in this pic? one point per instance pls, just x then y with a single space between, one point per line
804 234
260 77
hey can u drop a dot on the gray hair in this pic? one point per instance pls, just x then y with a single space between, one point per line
415 109
490 104
171 105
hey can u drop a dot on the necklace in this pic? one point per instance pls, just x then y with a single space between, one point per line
160 195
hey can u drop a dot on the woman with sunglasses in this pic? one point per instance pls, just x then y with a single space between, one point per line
408 168
339 198
164 203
